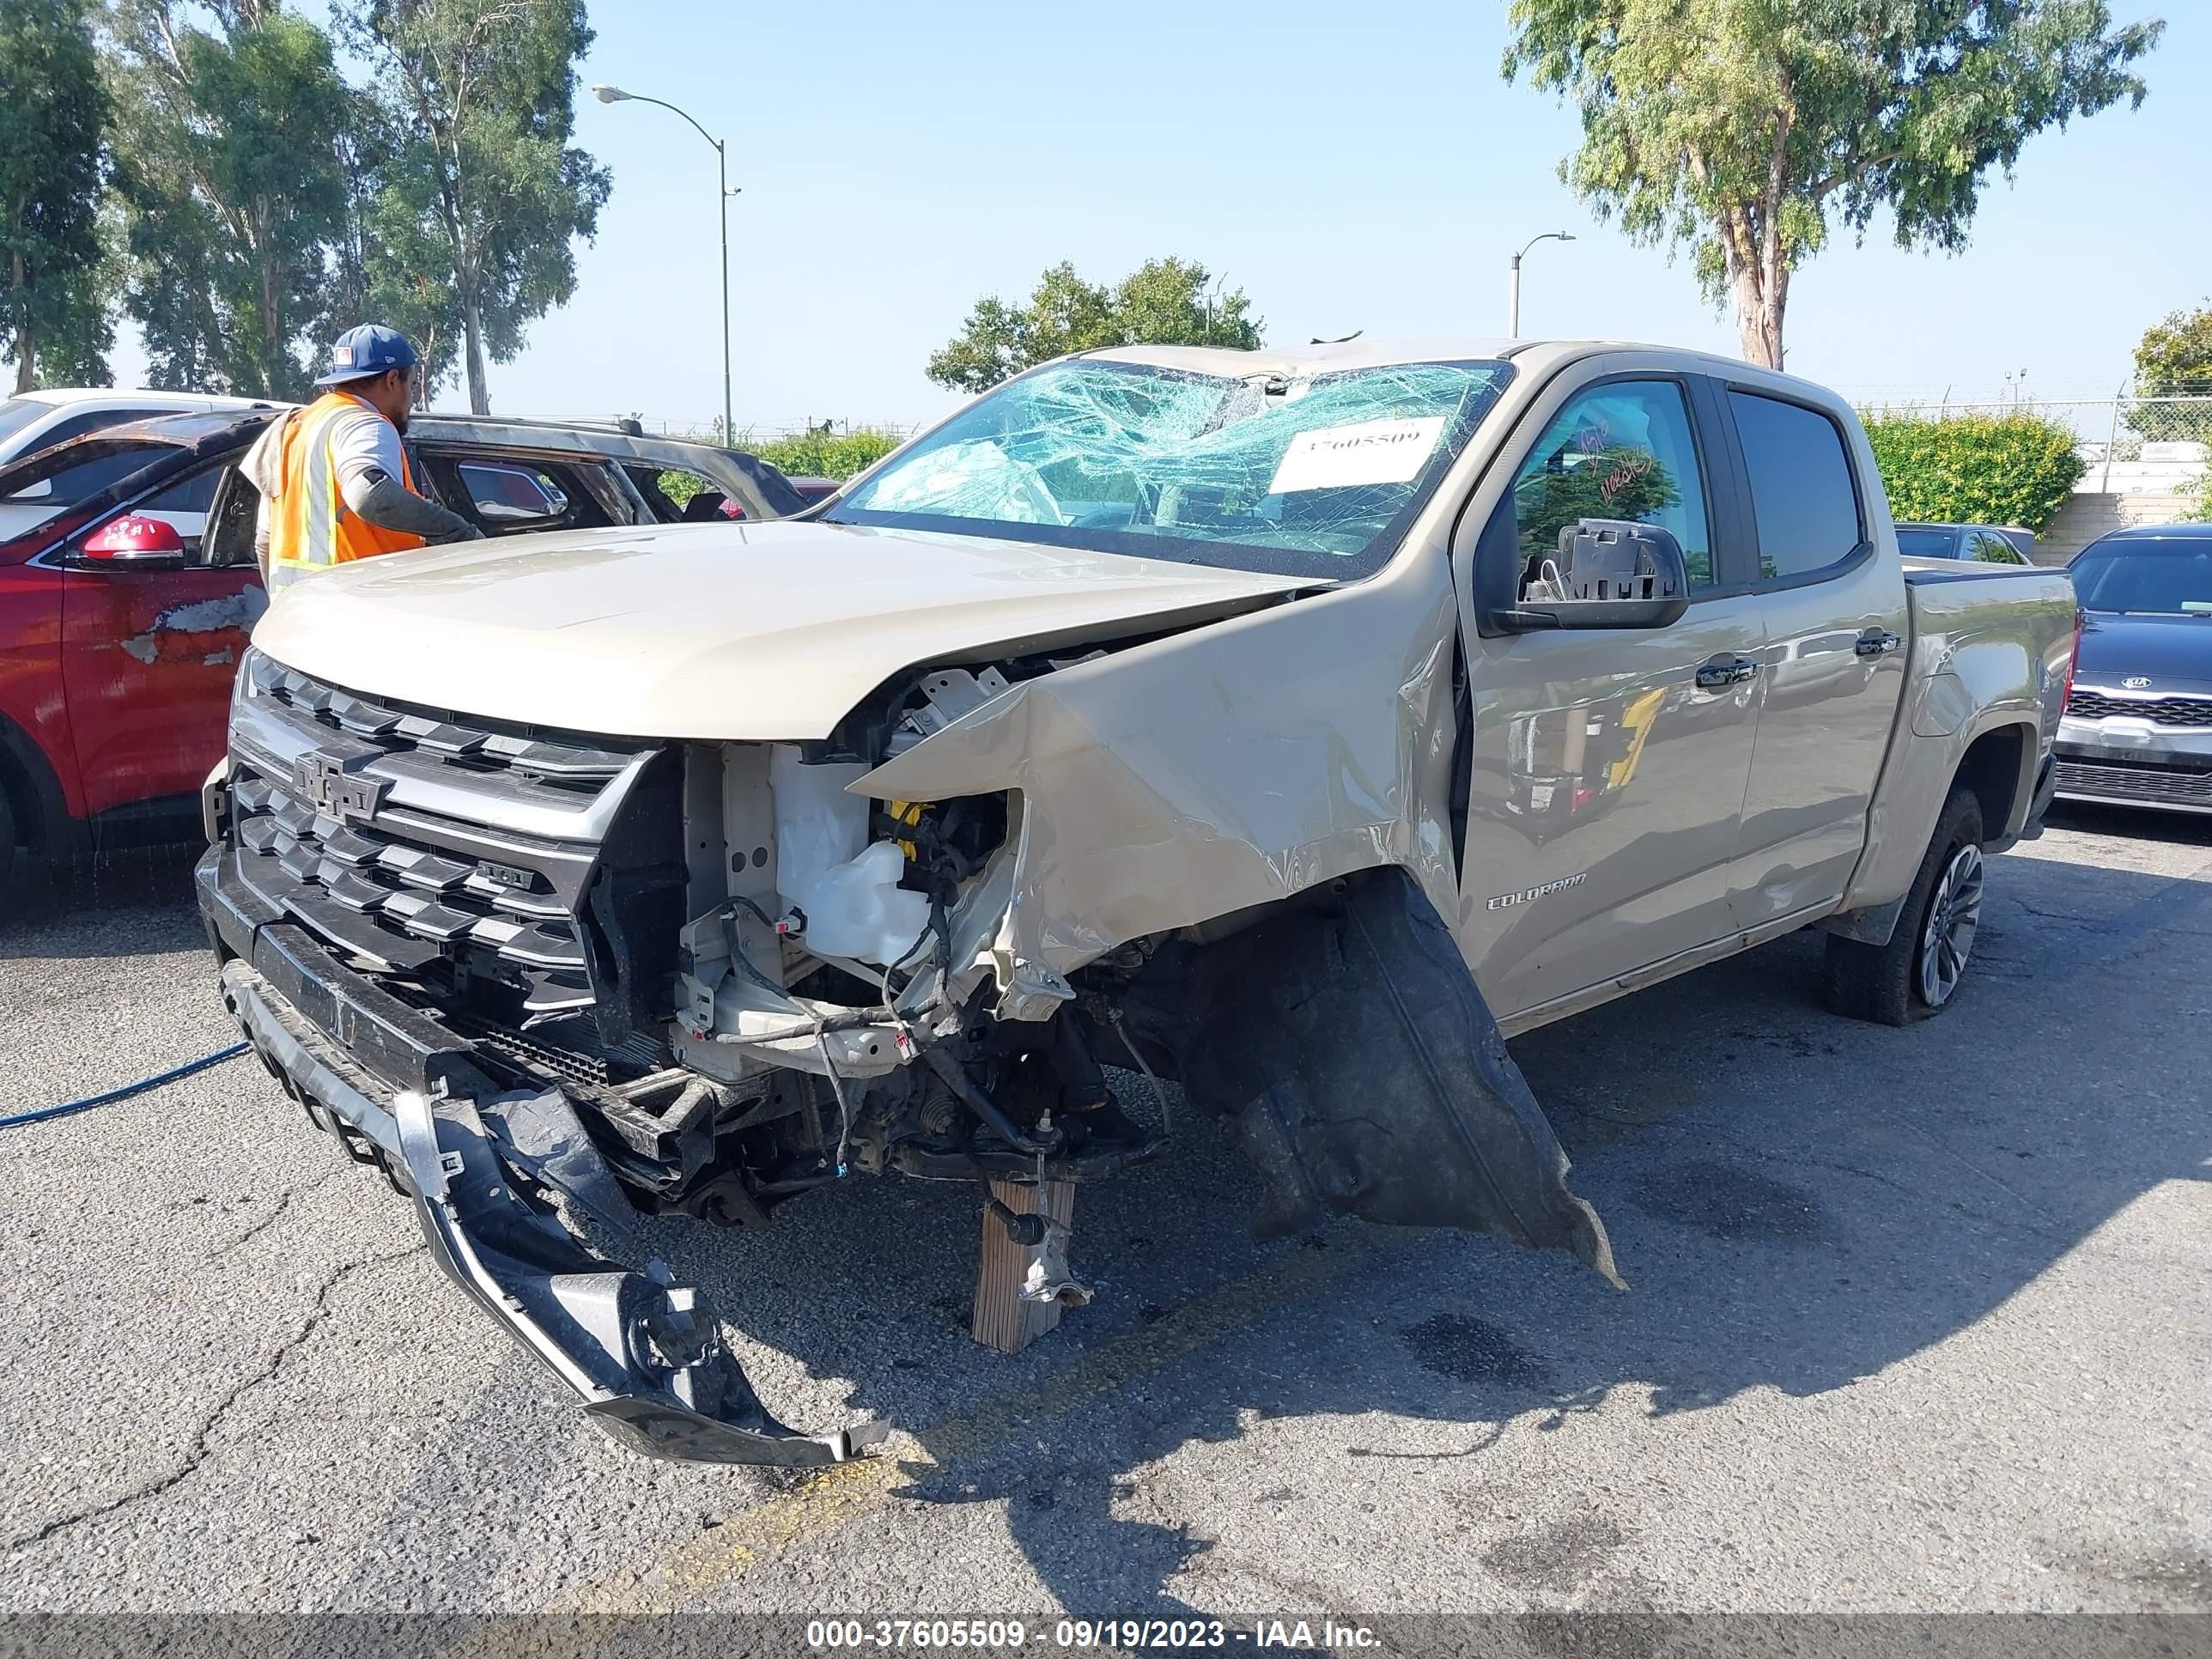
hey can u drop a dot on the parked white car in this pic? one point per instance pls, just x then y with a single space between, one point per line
38 420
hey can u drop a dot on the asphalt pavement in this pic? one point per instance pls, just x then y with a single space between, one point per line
1916 1320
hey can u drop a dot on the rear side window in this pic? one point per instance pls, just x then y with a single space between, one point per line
1990 548
1928 544
1801 496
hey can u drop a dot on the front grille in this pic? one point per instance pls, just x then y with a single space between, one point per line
564 1049
2182 710
2168 784
404 905
506 873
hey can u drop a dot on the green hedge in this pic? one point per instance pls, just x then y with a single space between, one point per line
2014 469
827 455
812 455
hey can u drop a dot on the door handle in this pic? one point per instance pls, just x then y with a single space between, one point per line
1719 672
1876 642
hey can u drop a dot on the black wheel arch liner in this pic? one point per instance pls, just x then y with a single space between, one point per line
43 820
1344 1037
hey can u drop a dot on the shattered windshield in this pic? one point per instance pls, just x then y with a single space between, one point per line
1313 476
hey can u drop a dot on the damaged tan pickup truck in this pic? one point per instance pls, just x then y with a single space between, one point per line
1292 725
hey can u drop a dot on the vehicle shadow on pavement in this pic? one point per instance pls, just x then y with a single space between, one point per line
1797 1202
138 898
2172 828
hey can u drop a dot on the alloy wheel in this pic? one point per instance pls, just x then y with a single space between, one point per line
1946 939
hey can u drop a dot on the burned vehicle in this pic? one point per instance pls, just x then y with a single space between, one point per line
1172 710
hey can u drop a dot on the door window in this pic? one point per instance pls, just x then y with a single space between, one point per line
234 511
191 495
512 495
1990 548
677 496
1802 500
665 490
506 495
1623 450
185 504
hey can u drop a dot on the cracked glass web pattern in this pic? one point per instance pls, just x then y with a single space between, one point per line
1298 475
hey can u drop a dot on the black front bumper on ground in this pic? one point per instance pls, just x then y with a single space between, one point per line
398 1089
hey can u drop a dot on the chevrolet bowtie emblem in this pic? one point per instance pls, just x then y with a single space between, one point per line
326 786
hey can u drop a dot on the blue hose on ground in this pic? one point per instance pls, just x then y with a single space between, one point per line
128 1089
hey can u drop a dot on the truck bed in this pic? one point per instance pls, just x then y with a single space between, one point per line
1991 646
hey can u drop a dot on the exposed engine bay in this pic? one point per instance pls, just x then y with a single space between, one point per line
842 986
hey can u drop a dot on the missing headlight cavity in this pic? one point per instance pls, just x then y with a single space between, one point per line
917 703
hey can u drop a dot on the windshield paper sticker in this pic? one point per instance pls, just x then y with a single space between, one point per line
1364 452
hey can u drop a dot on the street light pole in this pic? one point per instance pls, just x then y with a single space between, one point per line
722 202
723 192
1513 290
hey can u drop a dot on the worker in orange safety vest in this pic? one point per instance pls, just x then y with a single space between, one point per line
334 479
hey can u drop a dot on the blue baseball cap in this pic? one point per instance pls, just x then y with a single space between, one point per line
372 349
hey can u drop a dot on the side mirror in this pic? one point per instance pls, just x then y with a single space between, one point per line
134 543
1610 572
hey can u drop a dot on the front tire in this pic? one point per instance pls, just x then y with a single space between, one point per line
6 837
1918 974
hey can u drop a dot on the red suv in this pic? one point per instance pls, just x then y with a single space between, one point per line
123 616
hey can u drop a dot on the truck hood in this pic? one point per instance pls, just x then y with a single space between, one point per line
731 633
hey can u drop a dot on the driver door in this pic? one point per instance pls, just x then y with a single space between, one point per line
147 655
1606 784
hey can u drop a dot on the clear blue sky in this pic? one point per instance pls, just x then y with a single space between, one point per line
1350 169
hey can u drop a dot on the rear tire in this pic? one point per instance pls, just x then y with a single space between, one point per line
6 837
1918 974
